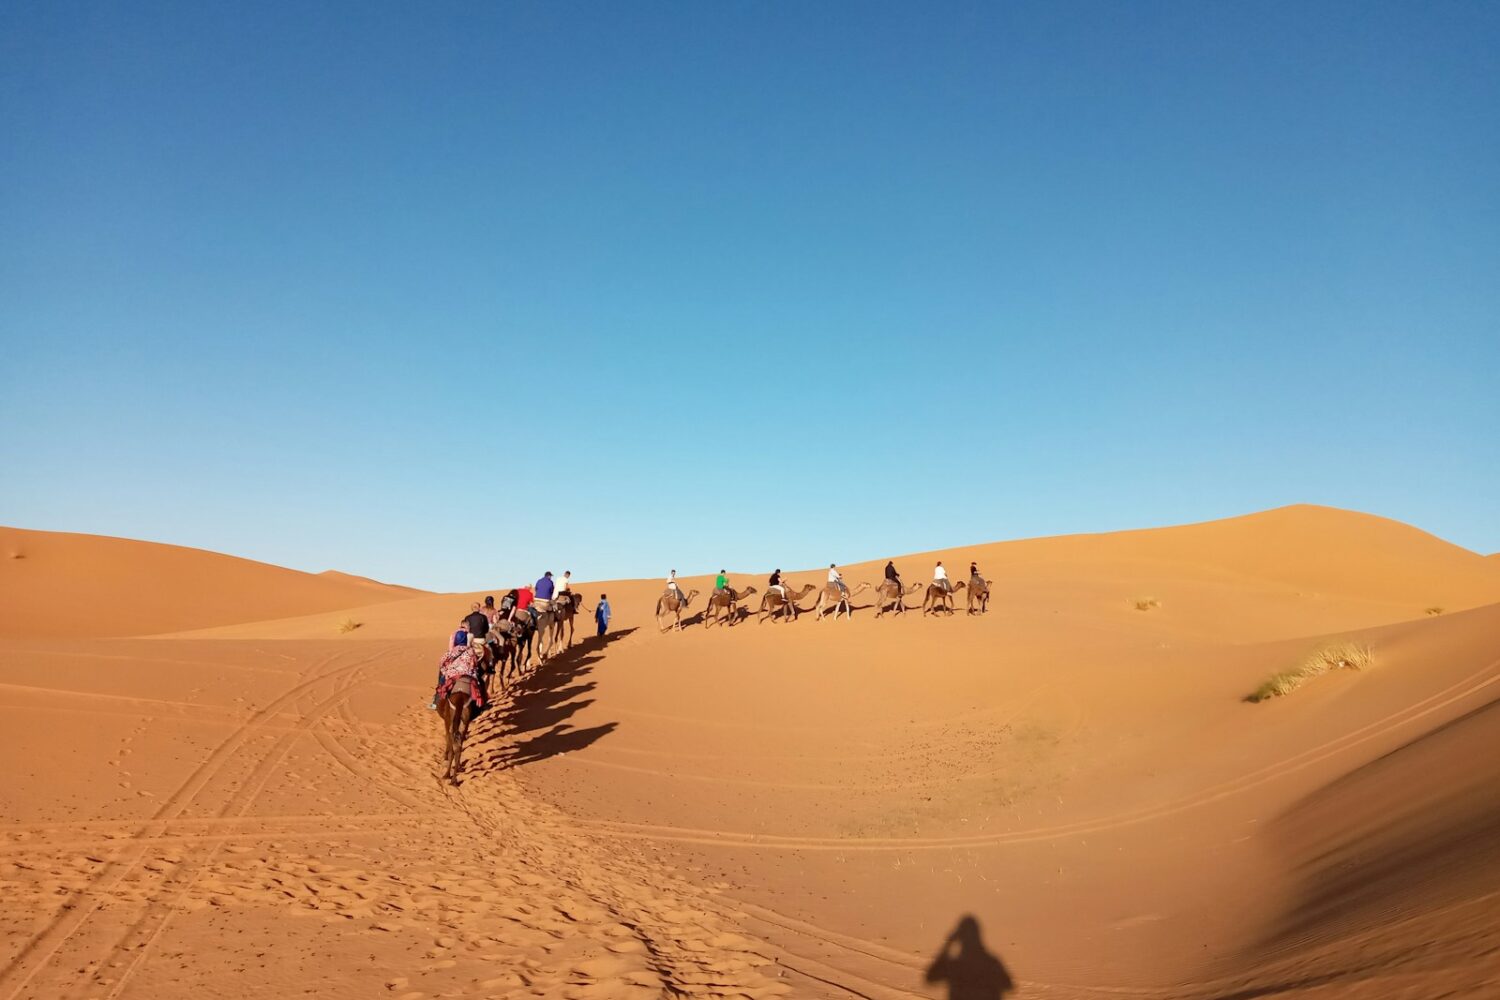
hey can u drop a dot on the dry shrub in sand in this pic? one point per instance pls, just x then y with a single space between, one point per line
1434 610
349 625
1145 603
1341 656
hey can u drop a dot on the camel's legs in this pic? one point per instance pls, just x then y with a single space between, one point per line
457 728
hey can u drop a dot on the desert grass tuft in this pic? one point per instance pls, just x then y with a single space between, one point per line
1434 610
1340 656
1145 603
349 625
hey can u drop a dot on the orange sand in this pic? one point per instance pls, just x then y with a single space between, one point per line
248 808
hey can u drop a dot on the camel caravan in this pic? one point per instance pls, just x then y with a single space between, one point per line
726 605
505 644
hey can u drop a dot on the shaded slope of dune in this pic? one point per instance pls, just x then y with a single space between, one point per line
62 584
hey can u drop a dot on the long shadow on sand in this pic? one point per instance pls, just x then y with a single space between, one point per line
971 971
533 725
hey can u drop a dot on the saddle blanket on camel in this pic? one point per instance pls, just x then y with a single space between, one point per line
460 668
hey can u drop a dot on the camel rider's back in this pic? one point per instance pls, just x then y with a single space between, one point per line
477 624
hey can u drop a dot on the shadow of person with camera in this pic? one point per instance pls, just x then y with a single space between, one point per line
970 971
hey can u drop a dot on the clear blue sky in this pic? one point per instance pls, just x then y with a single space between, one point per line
452 294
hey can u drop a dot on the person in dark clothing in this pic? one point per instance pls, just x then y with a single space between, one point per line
776 585
477 623
892 575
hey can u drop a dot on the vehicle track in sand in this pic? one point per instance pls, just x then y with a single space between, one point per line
86 903
143 934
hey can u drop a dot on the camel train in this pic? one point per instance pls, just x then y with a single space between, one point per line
514 648
780 603
517 646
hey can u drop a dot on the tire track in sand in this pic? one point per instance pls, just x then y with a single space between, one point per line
157 909
38 953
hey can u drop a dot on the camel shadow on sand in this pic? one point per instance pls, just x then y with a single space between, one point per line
971 970
532 724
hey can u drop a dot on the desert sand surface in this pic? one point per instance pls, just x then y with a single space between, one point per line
214 789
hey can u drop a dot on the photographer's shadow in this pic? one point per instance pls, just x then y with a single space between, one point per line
969 969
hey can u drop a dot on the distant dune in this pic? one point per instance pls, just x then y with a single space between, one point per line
55 584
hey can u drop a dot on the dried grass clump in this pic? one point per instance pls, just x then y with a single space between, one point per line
1340 656
349 625
1145 603
1434 610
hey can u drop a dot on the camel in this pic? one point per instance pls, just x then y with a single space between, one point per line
673 603
548 630
774 604
498 648
566 608
522 635
456 710
729 601
890 595
936 600
979 595
835 600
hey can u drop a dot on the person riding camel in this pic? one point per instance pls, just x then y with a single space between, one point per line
940 579
565 586
837 578
493 614
477 623
721 583
672 586
459 663
976 582
891 574
458 643
524 597
545 588
775 584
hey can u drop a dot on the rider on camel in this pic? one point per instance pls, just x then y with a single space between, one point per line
776 585
544 591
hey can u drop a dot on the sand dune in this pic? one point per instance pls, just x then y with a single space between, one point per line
389 588
60 584
783 809
1293 571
